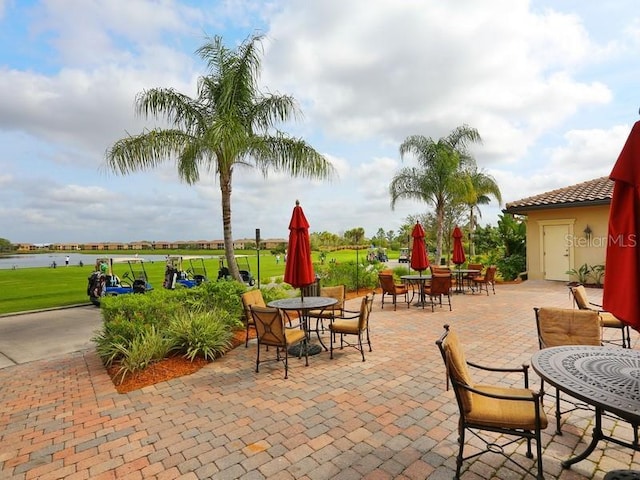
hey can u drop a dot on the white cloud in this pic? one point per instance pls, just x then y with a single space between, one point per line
544 84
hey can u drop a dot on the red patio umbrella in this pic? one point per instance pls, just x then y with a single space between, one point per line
419 257
458 251
622 280
299 269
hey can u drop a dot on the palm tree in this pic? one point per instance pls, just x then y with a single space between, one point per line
436 180
230 124
480 188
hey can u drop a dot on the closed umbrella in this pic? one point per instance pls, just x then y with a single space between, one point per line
458 251
419 257
299 268
458 257
622 280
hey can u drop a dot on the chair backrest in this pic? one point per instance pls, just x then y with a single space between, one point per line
386 283
435 270
580 296
567 326
475 266
269 326
491 274
456 365
365 310
440 284
252 298
338 292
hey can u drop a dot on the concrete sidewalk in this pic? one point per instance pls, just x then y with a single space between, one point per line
389 417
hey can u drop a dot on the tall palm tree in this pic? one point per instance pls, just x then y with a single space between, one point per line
480 188
230 124
436 180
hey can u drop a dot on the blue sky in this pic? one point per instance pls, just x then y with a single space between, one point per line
552 88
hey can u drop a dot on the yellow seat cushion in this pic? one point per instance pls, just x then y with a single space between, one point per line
493 412
293 335
608 320
345 326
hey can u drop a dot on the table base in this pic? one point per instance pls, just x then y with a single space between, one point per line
298 349
596 437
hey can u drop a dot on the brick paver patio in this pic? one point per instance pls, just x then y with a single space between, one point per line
387 418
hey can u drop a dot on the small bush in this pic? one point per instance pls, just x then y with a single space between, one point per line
148 346
511 266
205 334
117 333
345 274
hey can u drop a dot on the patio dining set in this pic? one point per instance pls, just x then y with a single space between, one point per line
438 285
287 324
572 358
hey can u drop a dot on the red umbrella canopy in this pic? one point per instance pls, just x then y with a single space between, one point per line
458 251
622 283
419 257
299 268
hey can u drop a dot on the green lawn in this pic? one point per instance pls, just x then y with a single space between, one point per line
26 289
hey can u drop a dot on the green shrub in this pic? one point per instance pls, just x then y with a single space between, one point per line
152 308
114 334
511 266
205 334
344 273
276 292
222 295
148 346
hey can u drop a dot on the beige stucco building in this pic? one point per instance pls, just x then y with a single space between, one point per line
566 228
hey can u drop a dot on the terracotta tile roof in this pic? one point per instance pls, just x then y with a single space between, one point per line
592 192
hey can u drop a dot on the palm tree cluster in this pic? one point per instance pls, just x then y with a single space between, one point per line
446 177
230 124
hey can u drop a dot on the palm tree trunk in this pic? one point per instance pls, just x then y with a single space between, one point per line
439 232
225 189
472 247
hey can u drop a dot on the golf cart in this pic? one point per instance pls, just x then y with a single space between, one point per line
175 274
404 255
243 266
105 282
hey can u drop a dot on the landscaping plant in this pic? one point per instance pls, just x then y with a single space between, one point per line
201 333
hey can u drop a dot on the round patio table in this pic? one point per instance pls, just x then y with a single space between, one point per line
420 280
460 276
303 306
607 378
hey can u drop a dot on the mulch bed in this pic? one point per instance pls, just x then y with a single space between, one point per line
173 367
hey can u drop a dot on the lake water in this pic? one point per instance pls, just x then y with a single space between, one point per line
47 259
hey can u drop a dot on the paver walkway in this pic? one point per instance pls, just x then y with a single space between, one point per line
387 418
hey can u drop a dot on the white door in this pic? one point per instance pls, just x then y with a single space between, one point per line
556 252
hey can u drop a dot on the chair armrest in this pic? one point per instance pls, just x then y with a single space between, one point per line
535 396
350 314
524 369
596 305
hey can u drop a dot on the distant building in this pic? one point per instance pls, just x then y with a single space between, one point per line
566 228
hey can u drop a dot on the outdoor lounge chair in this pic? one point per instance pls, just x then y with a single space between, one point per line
510 411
